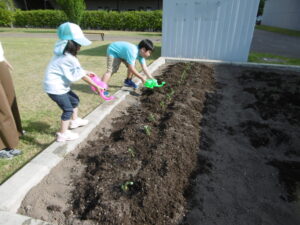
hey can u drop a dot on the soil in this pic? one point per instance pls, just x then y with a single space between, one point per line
215 145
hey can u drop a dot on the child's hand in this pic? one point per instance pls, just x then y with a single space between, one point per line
89 73
99 89
143 80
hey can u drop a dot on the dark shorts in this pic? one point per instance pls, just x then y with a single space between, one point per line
67 102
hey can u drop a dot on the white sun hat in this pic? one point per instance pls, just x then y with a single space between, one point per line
71 31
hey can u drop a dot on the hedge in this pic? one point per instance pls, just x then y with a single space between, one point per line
6 17
106 20
133 20
39 18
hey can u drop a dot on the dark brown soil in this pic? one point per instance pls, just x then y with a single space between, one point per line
216 145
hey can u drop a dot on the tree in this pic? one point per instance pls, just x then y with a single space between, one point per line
261 7
6 12
73 9
7 4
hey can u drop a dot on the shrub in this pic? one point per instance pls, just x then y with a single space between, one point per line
6 17
73 9
39 18
133 20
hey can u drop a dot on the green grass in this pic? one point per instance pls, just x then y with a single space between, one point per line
40 116
272 59
279 30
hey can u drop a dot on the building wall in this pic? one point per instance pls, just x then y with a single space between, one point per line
284 14
208 29
124 5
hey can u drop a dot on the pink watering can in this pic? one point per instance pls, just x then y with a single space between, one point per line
102 84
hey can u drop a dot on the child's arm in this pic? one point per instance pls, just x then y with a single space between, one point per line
88 80
146 71
133 70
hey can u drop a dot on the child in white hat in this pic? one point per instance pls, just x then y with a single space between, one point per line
63 69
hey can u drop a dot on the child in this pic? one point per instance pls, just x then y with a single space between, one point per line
127 53
63 69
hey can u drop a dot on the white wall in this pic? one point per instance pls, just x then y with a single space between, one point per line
208 29
282 13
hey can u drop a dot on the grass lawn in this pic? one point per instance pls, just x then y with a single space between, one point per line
279 30
272 59
40 116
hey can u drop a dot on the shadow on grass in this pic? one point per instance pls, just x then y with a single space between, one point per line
98 51
32 128
101 51
86 88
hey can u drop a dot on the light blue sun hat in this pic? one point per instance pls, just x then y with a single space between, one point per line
71 31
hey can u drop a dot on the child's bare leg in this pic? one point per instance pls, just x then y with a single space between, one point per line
129 74
106 77
64 125
75 113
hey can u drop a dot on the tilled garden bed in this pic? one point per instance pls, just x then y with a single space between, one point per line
215 145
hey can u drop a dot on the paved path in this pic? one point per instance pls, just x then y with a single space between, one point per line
274 43
263 41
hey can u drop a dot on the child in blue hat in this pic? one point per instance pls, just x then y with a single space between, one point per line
63 69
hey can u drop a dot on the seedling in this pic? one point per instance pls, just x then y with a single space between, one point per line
131 151
147 130
162 104
125 186
151 117
183 75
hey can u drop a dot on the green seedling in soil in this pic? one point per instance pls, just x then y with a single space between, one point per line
147 130
162 104
151 117
125 186
169 95
131 151
183 75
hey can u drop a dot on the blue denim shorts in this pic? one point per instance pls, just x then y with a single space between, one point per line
67 102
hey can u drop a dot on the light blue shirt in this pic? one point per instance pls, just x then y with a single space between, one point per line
61 72
125 50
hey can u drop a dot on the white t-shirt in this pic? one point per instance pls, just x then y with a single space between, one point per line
1 53
61 72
